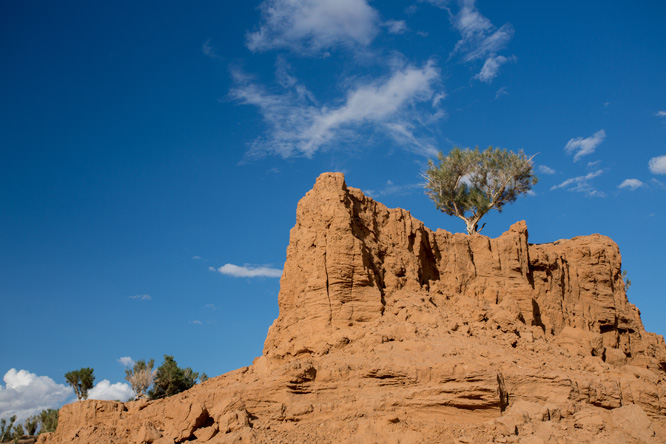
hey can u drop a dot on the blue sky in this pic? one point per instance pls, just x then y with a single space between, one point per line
152 155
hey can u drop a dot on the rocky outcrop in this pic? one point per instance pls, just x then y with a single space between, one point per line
391 332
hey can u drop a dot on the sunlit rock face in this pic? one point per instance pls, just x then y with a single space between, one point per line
390 332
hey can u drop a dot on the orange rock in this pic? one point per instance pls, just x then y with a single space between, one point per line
391 332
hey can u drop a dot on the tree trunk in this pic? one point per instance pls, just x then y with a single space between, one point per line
472 225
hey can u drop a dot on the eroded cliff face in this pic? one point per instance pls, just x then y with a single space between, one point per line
349 256
389 332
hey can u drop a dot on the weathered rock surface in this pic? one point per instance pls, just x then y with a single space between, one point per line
391 333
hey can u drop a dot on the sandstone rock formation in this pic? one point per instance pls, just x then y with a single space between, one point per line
391 333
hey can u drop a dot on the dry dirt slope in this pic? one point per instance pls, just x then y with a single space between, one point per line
391 333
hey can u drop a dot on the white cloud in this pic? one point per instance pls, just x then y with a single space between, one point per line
632 184
491 67
313 25
197 322
545 169
104 390
660 114
26 394
658 165
480 38
211 306
141 297
248 271
395 26
581 184
126 361
585 146
299 126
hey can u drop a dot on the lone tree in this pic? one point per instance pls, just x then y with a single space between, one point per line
141 376
81 381
468 183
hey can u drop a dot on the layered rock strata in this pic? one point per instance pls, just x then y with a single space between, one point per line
389 332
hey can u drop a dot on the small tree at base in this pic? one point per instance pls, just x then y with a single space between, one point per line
141 377
48 420
81 381
31 425
171 379
6 429
469 183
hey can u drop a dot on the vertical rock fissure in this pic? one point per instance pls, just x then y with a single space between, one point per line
502 392
351 290
328 294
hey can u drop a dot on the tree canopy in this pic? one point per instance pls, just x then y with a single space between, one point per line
467 183
81 381
48 420
171 379
141 376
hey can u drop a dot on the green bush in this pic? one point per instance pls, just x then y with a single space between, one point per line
171 379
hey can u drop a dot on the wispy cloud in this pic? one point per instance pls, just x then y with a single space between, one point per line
26 394
632 184
543 169
439 3
657 183
501 92
581 184
491 67
126 361
247 271
211 306
657 165
480 39
403 134
298 125
584 146
197 322
209 50
395 26
311 26
391 188
141 297
660 114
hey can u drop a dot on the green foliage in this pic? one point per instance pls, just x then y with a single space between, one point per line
469 183
141 376
627 281
18 432
10 431
6 428
204 377
171 379
48 420
31 425
81 381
